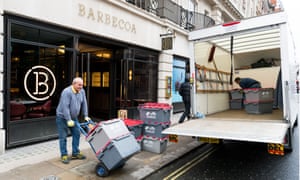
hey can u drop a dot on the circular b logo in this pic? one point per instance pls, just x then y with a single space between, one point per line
39 83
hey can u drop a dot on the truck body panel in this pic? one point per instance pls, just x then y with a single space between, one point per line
237 46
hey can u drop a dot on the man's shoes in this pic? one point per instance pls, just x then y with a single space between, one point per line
79 156
180 121
65 159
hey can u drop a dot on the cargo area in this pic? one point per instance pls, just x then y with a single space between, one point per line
275 116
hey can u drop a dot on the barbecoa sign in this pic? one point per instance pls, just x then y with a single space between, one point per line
105 18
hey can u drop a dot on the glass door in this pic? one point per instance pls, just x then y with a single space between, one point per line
83 71
95 72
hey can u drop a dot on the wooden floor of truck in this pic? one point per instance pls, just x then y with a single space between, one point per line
276 114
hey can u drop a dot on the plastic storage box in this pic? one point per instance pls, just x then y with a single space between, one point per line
259 107
104 132
155 145
259 94
118 151
236 104
134 126
154 112
154 130
236 94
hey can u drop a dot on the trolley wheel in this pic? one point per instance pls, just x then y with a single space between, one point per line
122 165
101 170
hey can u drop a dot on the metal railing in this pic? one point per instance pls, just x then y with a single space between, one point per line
168 9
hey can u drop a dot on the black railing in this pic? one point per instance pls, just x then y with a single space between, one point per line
170 10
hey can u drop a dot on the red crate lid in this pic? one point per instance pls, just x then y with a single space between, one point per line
156 105
133 122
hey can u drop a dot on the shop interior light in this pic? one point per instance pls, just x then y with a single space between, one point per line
61 49
106 55
130 75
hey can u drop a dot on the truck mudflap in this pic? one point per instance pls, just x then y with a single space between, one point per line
264 131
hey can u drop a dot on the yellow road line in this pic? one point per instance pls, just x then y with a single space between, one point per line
180 171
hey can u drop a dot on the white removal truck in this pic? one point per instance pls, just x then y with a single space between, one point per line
261 48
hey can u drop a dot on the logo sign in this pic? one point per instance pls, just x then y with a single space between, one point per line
151 115
39 83
167 43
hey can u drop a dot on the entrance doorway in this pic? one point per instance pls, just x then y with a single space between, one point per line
95 69
117 78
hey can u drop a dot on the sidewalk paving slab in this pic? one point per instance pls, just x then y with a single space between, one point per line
41 162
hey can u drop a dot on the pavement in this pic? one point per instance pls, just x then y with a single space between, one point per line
42 162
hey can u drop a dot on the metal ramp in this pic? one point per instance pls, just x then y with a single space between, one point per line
265 131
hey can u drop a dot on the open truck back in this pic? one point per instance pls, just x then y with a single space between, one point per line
261 48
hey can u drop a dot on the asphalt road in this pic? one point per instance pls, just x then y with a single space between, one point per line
234 160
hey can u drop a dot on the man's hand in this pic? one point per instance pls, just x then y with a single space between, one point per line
70 123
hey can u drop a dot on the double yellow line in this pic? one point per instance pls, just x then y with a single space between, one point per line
182 170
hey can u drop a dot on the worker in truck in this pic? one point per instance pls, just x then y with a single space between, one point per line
245 83
185 93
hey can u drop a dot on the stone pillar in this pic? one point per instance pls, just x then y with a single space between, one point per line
165 68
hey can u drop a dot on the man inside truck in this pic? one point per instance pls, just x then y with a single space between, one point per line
245 83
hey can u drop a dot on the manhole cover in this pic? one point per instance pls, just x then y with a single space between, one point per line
51 177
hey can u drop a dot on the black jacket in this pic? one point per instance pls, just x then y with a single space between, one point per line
185 91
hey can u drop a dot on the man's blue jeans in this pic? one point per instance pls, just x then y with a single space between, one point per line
63 128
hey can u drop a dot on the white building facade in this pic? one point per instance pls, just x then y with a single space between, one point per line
128 52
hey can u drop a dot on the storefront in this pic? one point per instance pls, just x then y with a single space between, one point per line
121 67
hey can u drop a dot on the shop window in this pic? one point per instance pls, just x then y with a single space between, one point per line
39 68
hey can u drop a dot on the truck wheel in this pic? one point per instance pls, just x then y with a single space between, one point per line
101 170
288 145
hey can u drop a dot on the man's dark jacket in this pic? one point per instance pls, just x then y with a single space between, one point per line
184 91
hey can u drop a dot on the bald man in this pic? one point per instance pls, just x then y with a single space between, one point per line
72 100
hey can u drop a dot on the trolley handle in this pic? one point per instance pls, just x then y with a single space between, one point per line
85 127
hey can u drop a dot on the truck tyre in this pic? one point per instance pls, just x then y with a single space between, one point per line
288 146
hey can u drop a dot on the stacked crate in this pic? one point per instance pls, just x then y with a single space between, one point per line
156 118
259 100
236 99
112 143
136 128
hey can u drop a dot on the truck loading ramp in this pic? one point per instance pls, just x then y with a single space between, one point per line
265 131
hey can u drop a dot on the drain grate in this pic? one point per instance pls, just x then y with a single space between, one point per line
51 177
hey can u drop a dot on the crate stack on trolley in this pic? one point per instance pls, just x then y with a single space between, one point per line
112 143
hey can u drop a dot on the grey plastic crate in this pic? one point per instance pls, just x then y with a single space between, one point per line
154 130
236 104
154 145
236 94
155 112
259 94
118 151
105 132
258 107
135 127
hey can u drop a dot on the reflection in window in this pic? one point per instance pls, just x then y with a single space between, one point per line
25 55
105 79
